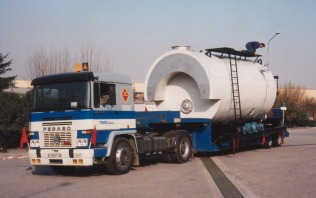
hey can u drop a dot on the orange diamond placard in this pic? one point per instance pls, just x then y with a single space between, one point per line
125 95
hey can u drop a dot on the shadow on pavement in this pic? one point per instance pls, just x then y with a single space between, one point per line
96 170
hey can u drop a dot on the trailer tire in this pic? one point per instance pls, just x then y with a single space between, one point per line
121 158
268 143
63 169
183 149
277 140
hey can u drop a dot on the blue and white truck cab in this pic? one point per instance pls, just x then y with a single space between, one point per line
67 108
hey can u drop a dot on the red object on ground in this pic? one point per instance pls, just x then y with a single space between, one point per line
263 139
23 138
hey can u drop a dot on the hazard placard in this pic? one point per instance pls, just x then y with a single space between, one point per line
125 95
85 66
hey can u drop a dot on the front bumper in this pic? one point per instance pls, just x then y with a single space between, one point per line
61 157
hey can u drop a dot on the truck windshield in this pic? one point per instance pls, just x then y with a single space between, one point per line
65 96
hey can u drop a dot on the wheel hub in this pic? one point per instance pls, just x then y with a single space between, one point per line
122 157
184 148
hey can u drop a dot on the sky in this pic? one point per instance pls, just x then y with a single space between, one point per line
131 34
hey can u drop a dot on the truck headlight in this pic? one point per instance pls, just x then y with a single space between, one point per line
34 143
82 142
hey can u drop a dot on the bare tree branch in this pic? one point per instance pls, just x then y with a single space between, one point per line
42 62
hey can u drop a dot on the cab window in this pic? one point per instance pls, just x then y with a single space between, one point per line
104 94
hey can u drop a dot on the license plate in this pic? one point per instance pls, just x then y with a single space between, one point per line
54 155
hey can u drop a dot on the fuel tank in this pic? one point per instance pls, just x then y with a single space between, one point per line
200 86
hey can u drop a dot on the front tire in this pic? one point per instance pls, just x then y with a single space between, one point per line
121 158
183 149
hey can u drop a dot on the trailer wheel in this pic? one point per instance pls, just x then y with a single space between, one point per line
277 140
268 143
121 158
183 149
63 169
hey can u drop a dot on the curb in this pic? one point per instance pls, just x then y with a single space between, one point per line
12 157
14 153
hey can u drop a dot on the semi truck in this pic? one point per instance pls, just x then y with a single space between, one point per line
195 102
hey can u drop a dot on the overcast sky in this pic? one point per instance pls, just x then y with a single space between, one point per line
133 33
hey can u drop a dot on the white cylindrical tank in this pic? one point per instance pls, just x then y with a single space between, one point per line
200 86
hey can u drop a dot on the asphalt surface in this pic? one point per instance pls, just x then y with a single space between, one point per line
286 171
154 179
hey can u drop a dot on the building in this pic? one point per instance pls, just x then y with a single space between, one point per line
311 93
20 86
138 89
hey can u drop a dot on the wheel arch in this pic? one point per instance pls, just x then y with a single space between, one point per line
176 134
129 135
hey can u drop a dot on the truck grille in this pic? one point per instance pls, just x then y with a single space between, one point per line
57 139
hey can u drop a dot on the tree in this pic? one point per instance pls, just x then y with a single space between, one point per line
43 62
294 97
310 109
14 110
5 82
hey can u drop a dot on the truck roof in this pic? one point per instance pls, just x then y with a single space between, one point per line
62 78
113 77
82 76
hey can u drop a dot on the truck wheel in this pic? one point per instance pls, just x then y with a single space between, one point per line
121 158
277 140
63 169
183 149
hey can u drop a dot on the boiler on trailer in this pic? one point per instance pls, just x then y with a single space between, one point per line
199 85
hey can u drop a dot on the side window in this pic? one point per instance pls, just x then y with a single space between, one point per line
104 94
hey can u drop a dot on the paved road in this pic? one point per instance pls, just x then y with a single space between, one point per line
155 179
287 171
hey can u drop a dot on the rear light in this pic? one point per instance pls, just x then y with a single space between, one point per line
77 161
80 161
36 161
